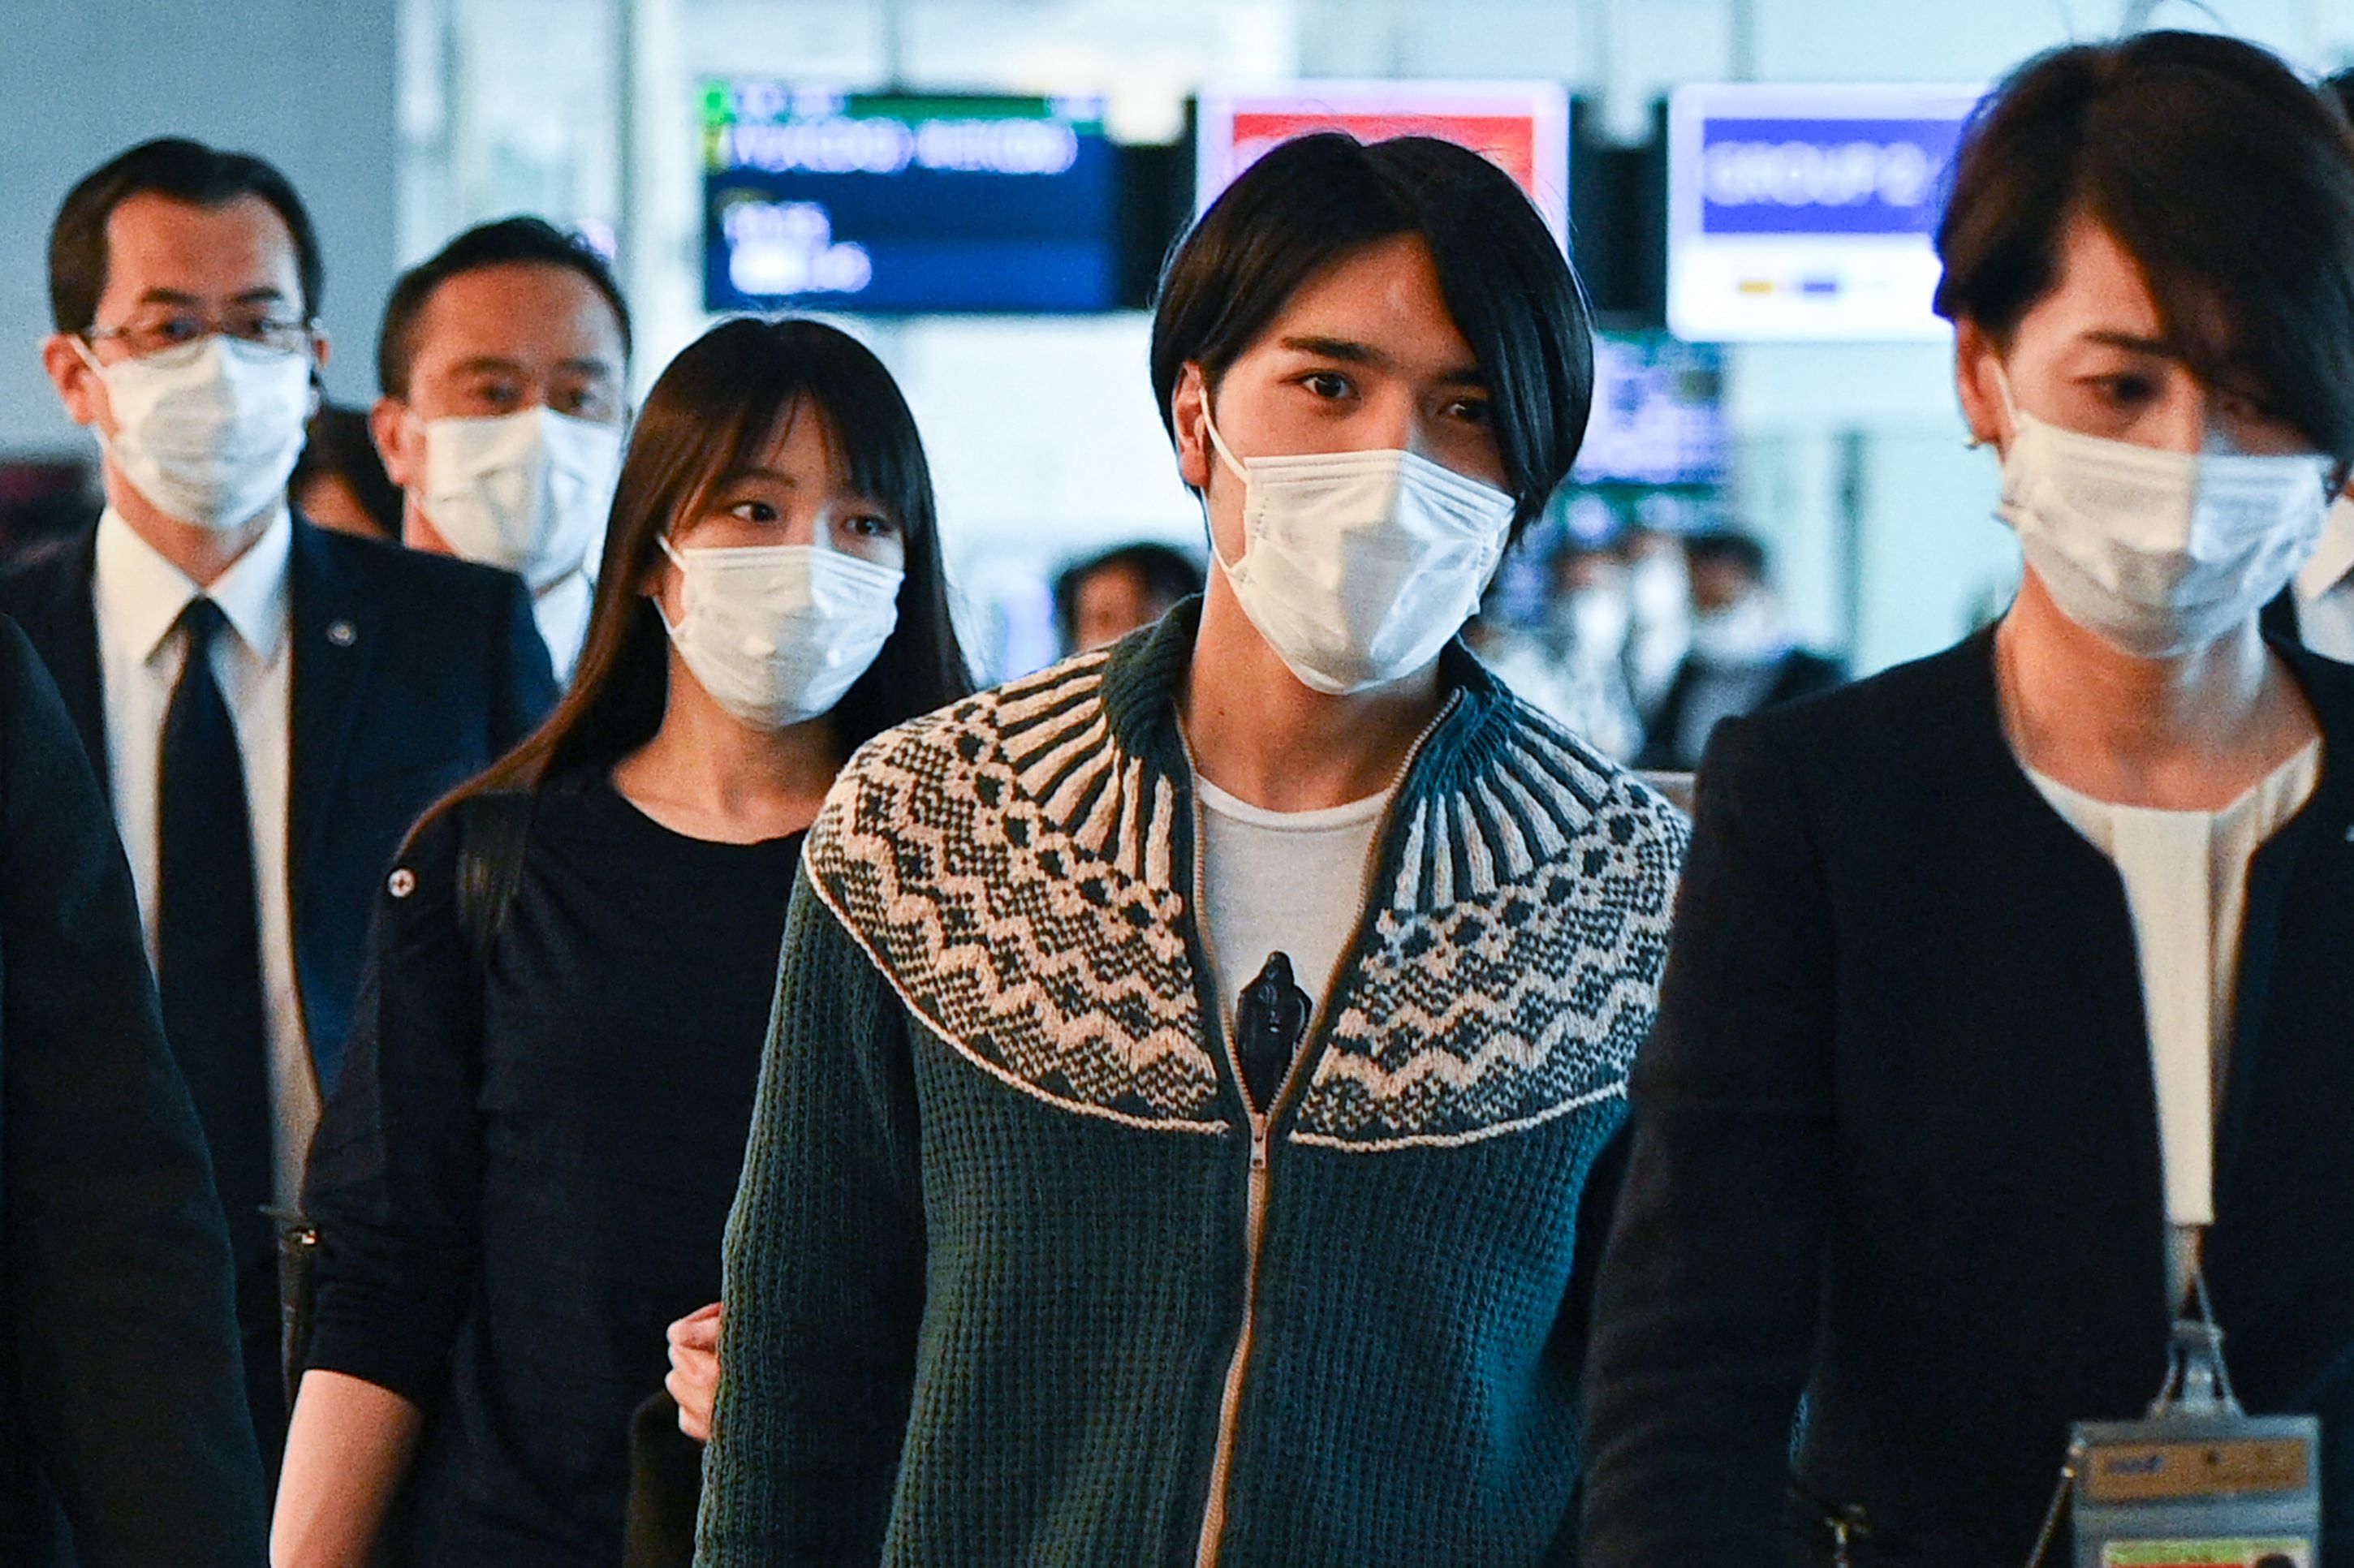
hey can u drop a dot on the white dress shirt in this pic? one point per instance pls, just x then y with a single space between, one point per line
561 612
139 598
2325 588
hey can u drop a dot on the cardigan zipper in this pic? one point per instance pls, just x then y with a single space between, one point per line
1262 1127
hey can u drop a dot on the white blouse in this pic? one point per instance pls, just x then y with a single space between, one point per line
2186 880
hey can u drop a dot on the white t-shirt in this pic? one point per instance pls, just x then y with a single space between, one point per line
1287 882
2186 876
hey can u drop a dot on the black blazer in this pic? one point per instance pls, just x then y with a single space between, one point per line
412 672
120 1391
1803 674
1895 1143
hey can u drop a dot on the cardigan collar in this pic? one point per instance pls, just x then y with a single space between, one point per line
1144 672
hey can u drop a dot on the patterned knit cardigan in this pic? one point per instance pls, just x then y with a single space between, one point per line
1015 1276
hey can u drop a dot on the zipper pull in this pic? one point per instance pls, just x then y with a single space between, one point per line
1269 1020
1259 1143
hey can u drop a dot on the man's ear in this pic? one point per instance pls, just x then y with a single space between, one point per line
78 386
1189 411
398 442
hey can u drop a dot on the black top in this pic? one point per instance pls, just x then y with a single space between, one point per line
123 1435
1895 1143
1798 673
513 1202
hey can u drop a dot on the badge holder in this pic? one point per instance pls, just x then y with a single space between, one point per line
2197 1482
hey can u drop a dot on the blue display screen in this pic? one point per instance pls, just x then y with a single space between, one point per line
1659 413
1824 176
897 205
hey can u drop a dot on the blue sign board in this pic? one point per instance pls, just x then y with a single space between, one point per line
903 205
1824 176
1806 212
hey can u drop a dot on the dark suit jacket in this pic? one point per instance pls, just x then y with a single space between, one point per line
1895 1143
120 1390
1802 674
412 672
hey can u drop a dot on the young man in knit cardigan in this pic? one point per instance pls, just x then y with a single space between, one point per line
1188 1062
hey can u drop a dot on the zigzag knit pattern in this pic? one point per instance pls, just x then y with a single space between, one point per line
1014 874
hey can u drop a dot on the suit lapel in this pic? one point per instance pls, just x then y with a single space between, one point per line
59 613
336 634
2095 1062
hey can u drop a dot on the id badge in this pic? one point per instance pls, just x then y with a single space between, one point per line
2213 1489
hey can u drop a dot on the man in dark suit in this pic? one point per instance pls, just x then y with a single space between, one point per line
270 704
1742 658
122 1397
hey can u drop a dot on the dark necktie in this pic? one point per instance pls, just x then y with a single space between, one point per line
208 933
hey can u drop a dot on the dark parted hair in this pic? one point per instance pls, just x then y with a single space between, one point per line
506 242
2223 173
182 170
1313 202
715 411
1729 545
1168 574
336 445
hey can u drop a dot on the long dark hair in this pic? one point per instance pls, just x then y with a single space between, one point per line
716 409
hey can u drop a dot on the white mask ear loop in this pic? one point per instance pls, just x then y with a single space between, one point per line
1235 467
662 542
2010 403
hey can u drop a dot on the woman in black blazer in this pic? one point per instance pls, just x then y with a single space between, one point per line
1896 1155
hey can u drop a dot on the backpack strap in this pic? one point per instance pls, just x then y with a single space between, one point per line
493 831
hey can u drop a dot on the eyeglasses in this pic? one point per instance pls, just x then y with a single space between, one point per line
164 331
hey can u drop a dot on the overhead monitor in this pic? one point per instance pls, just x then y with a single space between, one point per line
1659 413
888 203
1522 127
1805 213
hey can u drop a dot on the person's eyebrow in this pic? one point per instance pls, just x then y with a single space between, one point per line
1345 350
486 364
1348 351
591 365
263 296
2133 343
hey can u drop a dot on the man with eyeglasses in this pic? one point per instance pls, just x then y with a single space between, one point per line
500 361
270 704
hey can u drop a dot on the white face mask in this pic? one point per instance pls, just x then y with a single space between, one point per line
1357 567
207 431
777 633
528 491
2156 553
1658 590
1595 620
1747 631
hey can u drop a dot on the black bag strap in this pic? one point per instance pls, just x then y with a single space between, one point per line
493 831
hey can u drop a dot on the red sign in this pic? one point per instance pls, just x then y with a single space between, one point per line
1508 142
1520 127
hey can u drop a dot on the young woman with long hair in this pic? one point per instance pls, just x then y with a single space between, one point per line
525 1168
